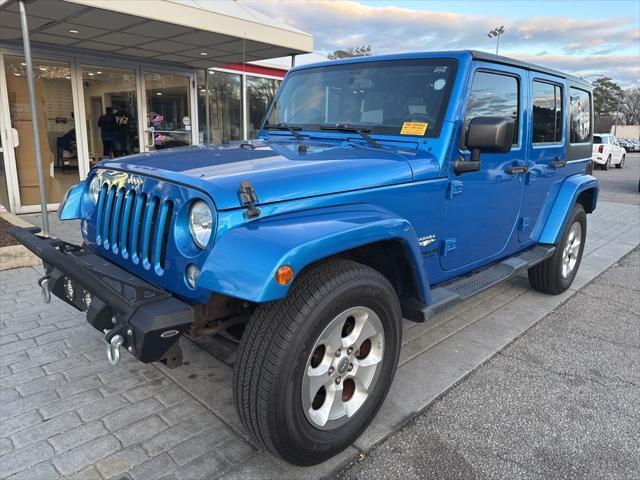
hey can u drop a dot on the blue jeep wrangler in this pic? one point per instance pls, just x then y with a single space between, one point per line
380 188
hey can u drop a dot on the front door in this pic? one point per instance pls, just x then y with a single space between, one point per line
56 118
483 209
169 119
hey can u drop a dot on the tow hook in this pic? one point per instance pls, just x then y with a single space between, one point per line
113 349
44 286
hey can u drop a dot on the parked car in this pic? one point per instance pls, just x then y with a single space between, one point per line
634 145
379 188
626 144
607 152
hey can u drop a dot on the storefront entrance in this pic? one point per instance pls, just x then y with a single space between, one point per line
87 111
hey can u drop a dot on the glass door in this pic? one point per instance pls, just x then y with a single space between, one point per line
111 111
56 119
169 110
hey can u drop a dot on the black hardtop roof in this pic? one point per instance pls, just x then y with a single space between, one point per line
490 57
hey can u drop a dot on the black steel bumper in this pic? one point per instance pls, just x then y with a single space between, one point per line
150 320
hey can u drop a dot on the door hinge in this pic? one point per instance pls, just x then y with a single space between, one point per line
248 199
449 244
523 224
455 188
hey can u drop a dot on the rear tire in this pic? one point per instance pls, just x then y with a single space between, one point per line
607 163
556 273
621 164
286 343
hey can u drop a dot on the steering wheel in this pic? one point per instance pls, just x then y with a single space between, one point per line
419 117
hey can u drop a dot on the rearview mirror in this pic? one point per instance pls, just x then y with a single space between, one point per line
486 134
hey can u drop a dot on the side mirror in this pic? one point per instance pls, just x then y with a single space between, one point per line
486 134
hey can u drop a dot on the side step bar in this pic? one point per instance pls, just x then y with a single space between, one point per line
465 287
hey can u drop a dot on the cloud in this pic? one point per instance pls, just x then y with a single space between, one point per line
570 43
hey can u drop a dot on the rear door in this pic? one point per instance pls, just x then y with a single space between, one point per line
546 154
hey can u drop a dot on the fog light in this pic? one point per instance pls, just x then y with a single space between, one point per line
193 273
68 288
87 299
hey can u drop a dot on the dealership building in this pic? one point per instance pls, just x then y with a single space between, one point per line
122 76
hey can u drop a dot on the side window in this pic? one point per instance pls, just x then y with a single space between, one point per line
493 95
547 112
579 116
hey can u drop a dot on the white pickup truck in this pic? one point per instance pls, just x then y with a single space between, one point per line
607 151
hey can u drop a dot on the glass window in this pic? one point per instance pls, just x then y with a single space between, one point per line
221 117
168 110
547 113
55 117
598 139
380 96
260 93
493 95
110 103
579 116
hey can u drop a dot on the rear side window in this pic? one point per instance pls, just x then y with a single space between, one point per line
597 139
547 112
493 95
579 116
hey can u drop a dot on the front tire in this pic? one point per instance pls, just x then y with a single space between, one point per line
337 334
621 164
556 273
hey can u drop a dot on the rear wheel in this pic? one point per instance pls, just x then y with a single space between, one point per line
621 164
607 163
313 369
556 273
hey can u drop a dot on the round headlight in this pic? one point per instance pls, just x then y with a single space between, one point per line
94 189
200 223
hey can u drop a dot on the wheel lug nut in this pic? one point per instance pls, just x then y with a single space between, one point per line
331 370
338 380
349 350
338 352
350 367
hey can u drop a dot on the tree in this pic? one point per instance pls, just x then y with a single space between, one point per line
606 97
362 51
631 106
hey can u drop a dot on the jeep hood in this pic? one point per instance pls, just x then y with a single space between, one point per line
277 170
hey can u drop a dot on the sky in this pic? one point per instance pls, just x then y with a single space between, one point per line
588 37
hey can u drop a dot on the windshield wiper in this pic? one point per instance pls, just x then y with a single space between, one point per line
293 130
345 127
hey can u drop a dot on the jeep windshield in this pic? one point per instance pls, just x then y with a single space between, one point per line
390 97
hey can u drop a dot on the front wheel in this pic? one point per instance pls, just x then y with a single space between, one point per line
314 368
621 164
557 272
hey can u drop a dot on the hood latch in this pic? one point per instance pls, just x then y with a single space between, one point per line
248 199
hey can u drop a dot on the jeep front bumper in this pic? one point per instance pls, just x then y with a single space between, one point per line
148 320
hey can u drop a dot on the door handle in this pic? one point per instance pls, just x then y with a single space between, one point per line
513 170
558 164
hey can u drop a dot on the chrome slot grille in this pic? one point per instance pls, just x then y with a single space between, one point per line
134 225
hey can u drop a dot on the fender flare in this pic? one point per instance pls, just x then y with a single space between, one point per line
244 260
569 192
70 207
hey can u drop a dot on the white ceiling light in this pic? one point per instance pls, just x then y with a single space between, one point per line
91 74
158 93
71 30
99 72
204 54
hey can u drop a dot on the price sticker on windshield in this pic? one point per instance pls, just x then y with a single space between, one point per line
414 128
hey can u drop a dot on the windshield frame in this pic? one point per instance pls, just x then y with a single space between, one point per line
452 63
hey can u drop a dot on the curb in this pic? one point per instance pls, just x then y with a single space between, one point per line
16 256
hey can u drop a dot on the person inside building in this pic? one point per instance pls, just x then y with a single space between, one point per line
108 131
121 144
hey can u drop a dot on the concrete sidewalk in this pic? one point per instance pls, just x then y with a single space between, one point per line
560 402
65 411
